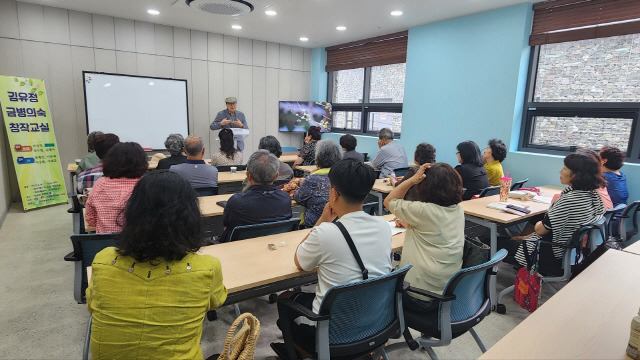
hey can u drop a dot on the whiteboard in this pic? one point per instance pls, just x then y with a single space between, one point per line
141 109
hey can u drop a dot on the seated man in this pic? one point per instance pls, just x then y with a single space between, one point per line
349 143
391 155
101 144
262 202
195 170
326 248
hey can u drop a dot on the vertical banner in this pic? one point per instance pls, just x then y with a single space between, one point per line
27 120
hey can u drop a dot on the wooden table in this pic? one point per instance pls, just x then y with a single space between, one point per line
633 248
589 318
380 188
290 159
250 269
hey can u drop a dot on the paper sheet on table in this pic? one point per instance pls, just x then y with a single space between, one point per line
542 199
394 229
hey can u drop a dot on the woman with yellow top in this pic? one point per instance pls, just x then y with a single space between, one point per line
149 296
493 156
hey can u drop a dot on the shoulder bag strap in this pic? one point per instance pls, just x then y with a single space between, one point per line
354 251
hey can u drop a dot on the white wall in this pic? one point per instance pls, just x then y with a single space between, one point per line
57 45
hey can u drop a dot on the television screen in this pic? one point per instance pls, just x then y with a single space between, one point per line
298 116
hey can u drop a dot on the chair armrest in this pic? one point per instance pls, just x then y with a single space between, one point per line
430 294
71 257
302 310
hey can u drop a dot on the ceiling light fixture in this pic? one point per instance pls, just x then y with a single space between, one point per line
153 12
271 12
236 27
304 39
396 13
341 28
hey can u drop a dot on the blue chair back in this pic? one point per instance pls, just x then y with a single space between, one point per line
85 248
629 222
206 191
364 312
611 222
401 171
518 184
491 190
370 207
289 149
470 286
255 230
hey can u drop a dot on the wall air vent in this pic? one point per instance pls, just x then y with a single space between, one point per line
222 7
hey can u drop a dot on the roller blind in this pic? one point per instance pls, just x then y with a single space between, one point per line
381 50
571 20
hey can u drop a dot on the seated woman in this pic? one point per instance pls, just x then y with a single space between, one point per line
424 154
313 192
612 161
493 156
349 143
307 154
578 204
434 240
149 296
272 144
471 169
90 160
174 145
123 166
228 154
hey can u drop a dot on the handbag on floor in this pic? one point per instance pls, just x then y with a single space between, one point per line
528 282
241 344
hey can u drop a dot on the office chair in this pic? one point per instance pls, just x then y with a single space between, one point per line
518 184
612 222
401 171
462 305
595 233
227 168
206 191
255 230
629 223
85 248
354 319
491 190
370 207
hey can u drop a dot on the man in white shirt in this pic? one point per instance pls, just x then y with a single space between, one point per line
326 248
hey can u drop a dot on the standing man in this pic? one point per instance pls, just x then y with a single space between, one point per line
230 118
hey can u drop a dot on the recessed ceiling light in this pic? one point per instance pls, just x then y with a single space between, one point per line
237 27
153 12
271 12
304 39
341 28
396 13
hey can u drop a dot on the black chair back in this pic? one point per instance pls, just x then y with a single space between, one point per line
366 156
518 184
255 230
401 171
611 221
206 191
491 190
629 222
370 207
227 168
85 248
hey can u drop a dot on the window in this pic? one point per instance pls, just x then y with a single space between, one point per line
584 93
365 100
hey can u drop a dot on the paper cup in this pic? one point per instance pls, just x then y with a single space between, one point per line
233 169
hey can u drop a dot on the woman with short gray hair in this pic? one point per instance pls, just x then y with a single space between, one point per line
313 192
175 145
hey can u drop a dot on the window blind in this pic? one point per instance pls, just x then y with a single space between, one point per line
571 20
377 51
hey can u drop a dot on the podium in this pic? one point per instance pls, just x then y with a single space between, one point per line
239 134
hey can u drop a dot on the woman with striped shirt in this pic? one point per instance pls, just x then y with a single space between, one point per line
578 204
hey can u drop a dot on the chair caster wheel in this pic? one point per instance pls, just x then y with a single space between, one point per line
273 298
501 309
212 315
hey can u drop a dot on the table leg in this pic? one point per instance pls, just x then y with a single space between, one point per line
493 228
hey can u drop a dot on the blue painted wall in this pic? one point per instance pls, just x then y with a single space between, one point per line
466 80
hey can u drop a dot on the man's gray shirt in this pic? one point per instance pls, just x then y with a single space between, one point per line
389 158
197 173
225 114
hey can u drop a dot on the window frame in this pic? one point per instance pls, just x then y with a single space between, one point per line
365 107
531 109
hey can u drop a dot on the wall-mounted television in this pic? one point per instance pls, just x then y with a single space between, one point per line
298 116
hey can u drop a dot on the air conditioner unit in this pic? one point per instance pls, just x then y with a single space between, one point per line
221 7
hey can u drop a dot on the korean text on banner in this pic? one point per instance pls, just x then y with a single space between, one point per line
27 120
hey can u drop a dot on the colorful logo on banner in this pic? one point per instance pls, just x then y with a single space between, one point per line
27 120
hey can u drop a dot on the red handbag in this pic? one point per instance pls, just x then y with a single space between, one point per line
528 283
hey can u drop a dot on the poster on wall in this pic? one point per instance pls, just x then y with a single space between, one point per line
27 120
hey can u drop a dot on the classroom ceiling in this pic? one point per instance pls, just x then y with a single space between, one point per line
314 19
